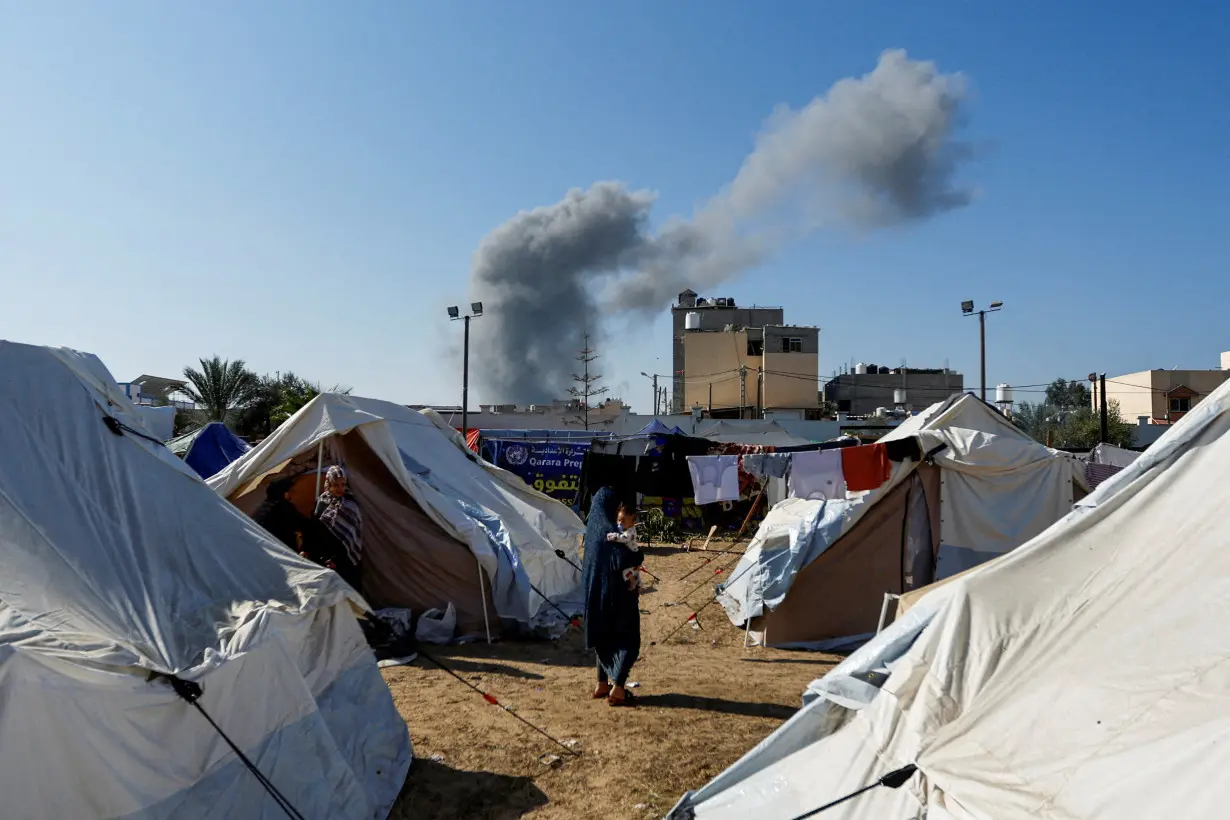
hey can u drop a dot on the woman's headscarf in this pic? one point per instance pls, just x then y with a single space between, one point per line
601 575
341 515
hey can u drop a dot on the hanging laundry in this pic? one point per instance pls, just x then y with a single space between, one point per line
747 482
817 475
714 478
766 465
866 467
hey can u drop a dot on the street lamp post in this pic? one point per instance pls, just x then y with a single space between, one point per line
654 377
967 308
454 314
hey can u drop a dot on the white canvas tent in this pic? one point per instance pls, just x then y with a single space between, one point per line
816 572
118 563
1081 677
405 463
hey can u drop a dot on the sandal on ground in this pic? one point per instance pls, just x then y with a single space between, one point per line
628 699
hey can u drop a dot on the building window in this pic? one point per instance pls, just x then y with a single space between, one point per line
1180 404
792 344
755 347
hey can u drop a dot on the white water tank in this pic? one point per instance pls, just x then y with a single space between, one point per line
860 369
691 321
881 412
899 396
1003 394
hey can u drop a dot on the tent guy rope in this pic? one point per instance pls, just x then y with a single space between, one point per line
190 692
494 702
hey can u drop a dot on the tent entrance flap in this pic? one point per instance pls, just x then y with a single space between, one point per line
840 594
409 561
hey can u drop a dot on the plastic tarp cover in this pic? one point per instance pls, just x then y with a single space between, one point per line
1021 689
118 562
793 534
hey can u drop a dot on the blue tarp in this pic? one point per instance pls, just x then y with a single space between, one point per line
511 585
210 449
657 428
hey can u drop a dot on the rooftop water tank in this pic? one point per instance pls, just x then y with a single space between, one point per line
860 369
899 396
883 370
1003 394
691 321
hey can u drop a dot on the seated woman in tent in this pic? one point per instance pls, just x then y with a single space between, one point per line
338 542
278 514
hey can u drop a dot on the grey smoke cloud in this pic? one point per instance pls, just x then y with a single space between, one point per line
872 152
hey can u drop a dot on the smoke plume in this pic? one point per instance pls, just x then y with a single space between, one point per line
873 152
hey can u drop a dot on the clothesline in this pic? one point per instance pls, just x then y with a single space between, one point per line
812 474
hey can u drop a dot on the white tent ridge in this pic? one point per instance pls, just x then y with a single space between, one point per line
116 564
1077 677
512 530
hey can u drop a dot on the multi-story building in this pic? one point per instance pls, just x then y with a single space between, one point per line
708 315
868 387
738 370
1161 396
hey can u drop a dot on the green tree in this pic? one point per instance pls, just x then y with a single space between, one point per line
297 392
1067 419
1068 395
1083 428
220 387
276 399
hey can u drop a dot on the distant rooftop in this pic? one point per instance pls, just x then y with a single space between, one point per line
159 384
689 300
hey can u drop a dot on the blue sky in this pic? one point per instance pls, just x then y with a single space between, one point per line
302 184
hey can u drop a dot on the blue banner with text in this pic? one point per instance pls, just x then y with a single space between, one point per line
550 467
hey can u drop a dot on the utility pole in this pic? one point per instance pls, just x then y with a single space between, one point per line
742 389
982 349
1105 414
454 313
760 392
586 390
656 397
967 308
465 384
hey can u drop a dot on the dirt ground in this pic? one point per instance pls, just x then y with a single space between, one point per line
705 700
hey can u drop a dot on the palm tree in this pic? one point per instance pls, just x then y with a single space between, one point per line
220 386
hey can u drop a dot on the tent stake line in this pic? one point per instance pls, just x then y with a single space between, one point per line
714 598
893 780
190 692
492 700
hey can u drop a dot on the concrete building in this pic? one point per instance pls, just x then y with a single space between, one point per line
157 391
710 315
1161 396
742 362
869 387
